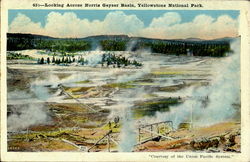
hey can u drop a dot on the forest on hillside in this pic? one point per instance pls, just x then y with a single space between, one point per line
170 47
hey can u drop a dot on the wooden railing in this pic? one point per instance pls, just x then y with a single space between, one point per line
154 131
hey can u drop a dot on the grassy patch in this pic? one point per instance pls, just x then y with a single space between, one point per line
149 108
119 85
114 128
169 72
82 82
42 52
150 95
145 83
67 107
174 88
40 145
75 96
14 56
77 89
157 103
38 135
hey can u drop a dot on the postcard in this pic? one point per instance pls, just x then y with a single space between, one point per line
124 81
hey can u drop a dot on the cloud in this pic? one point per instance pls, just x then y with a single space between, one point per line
167 26
167 19
119 23
23 24
202 26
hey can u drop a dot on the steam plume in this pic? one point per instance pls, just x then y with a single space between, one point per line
222 93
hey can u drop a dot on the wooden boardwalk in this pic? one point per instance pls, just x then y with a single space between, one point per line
153 131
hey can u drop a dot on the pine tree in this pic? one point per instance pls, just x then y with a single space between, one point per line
42 61
48 60
53 59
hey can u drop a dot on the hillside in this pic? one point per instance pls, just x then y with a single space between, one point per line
191 46
116 38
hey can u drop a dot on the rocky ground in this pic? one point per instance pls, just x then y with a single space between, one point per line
72 126
222 137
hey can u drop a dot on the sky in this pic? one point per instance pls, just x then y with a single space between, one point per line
163 24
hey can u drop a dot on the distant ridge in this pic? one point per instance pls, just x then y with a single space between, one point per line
115 37
27 35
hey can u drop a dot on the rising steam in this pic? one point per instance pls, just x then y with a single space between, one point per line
125 103
222 93
128 135
27 116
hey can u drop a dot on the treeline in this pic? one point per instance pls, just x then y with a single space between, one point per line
53 45
113 45
202 48
69 45
212 48
118 61
54 60
216 49
13 56
107 60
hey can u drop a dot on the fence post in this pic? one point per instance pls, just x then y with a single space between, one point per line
158 130
151 128
108 143
139 135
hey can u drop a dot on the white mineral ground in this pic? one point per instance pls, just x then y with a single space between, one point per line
191 68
